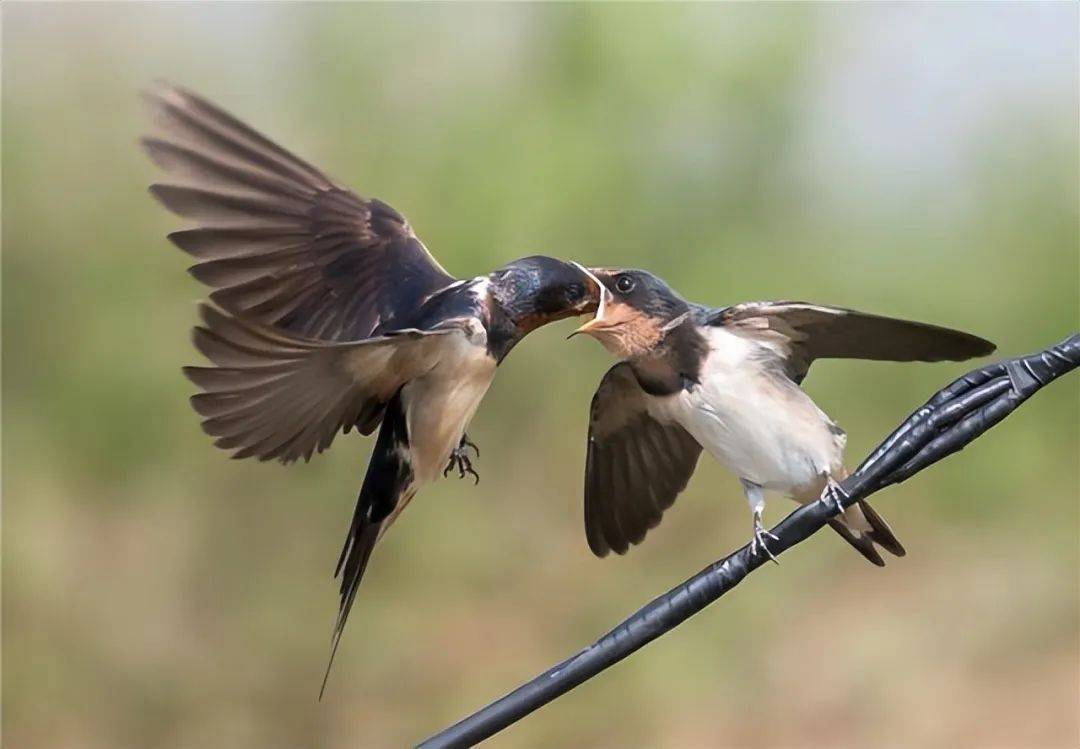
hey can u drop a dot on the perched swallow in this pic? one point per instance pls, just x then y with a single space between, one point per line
332 315
728 380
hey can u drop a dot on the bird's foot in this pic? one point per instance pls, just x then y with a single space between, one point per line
459 459
760 534
834 495
466 442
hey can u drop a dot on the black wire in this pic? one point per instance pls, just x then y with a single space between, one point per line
948 422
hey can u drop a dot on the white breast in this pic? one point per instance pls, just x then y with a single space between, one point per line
440 404
756 422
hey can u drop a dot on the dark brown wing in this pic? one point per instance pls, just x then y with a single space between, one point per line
636 465
274 395
802 332
280 241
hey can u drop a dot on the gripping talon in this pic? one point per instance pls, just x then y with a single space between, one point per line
834 494
758 540
459 459
470 471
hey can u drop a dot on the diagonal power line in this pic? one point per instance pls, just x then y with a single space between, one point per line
946 423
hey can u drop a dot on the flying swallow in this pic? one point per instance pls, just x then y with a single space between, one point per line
728 380
329 314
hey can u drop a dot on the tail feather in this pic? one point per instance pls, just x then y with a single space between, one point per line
861 542
387 485
867 532
354 558
880 532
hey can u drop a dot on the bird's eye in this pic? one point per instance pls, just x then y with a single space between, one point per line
625 284
575 291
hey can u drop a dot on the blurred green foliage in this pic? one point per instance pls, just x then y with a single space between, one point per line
918 162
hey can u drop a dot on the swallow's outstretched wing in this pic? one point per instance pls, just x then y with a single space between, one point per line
637 463
800 333
281 242
275 395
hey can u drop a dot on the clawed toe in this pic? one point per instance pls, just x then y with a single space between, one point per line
834 495
459 459
466 467
757 542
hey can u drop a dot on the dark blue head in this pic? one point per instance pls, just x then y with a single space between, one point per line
536 290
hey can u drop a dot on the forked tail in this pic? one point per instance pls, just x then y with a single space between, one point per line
864 529
387 482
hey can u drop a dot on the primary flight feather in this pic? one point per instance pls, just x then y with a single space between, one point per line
330 314
728 381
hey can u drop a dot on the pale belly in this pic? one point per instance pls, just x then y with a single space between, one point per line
440 405
762 427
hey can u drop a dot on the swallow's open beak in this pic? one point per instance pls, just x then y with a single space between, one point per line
599 319
590 327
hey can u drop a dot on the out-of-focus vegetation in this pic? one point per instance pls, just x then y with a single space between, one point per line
917 161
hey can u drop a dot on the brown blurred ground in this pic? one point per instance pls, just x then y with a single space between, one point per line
917 161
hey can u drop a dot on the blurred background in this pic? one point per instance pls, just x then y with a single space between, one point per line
918 161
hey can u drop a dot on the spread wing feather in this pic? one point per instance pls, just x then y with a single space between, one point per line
802 332
278 240
636 464
274 395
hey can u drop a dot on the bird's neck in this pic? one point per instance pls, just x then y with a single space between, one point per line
674 364
507 320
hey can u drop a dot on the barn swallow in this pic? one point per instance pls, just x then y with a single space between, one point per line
729 380
330 314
